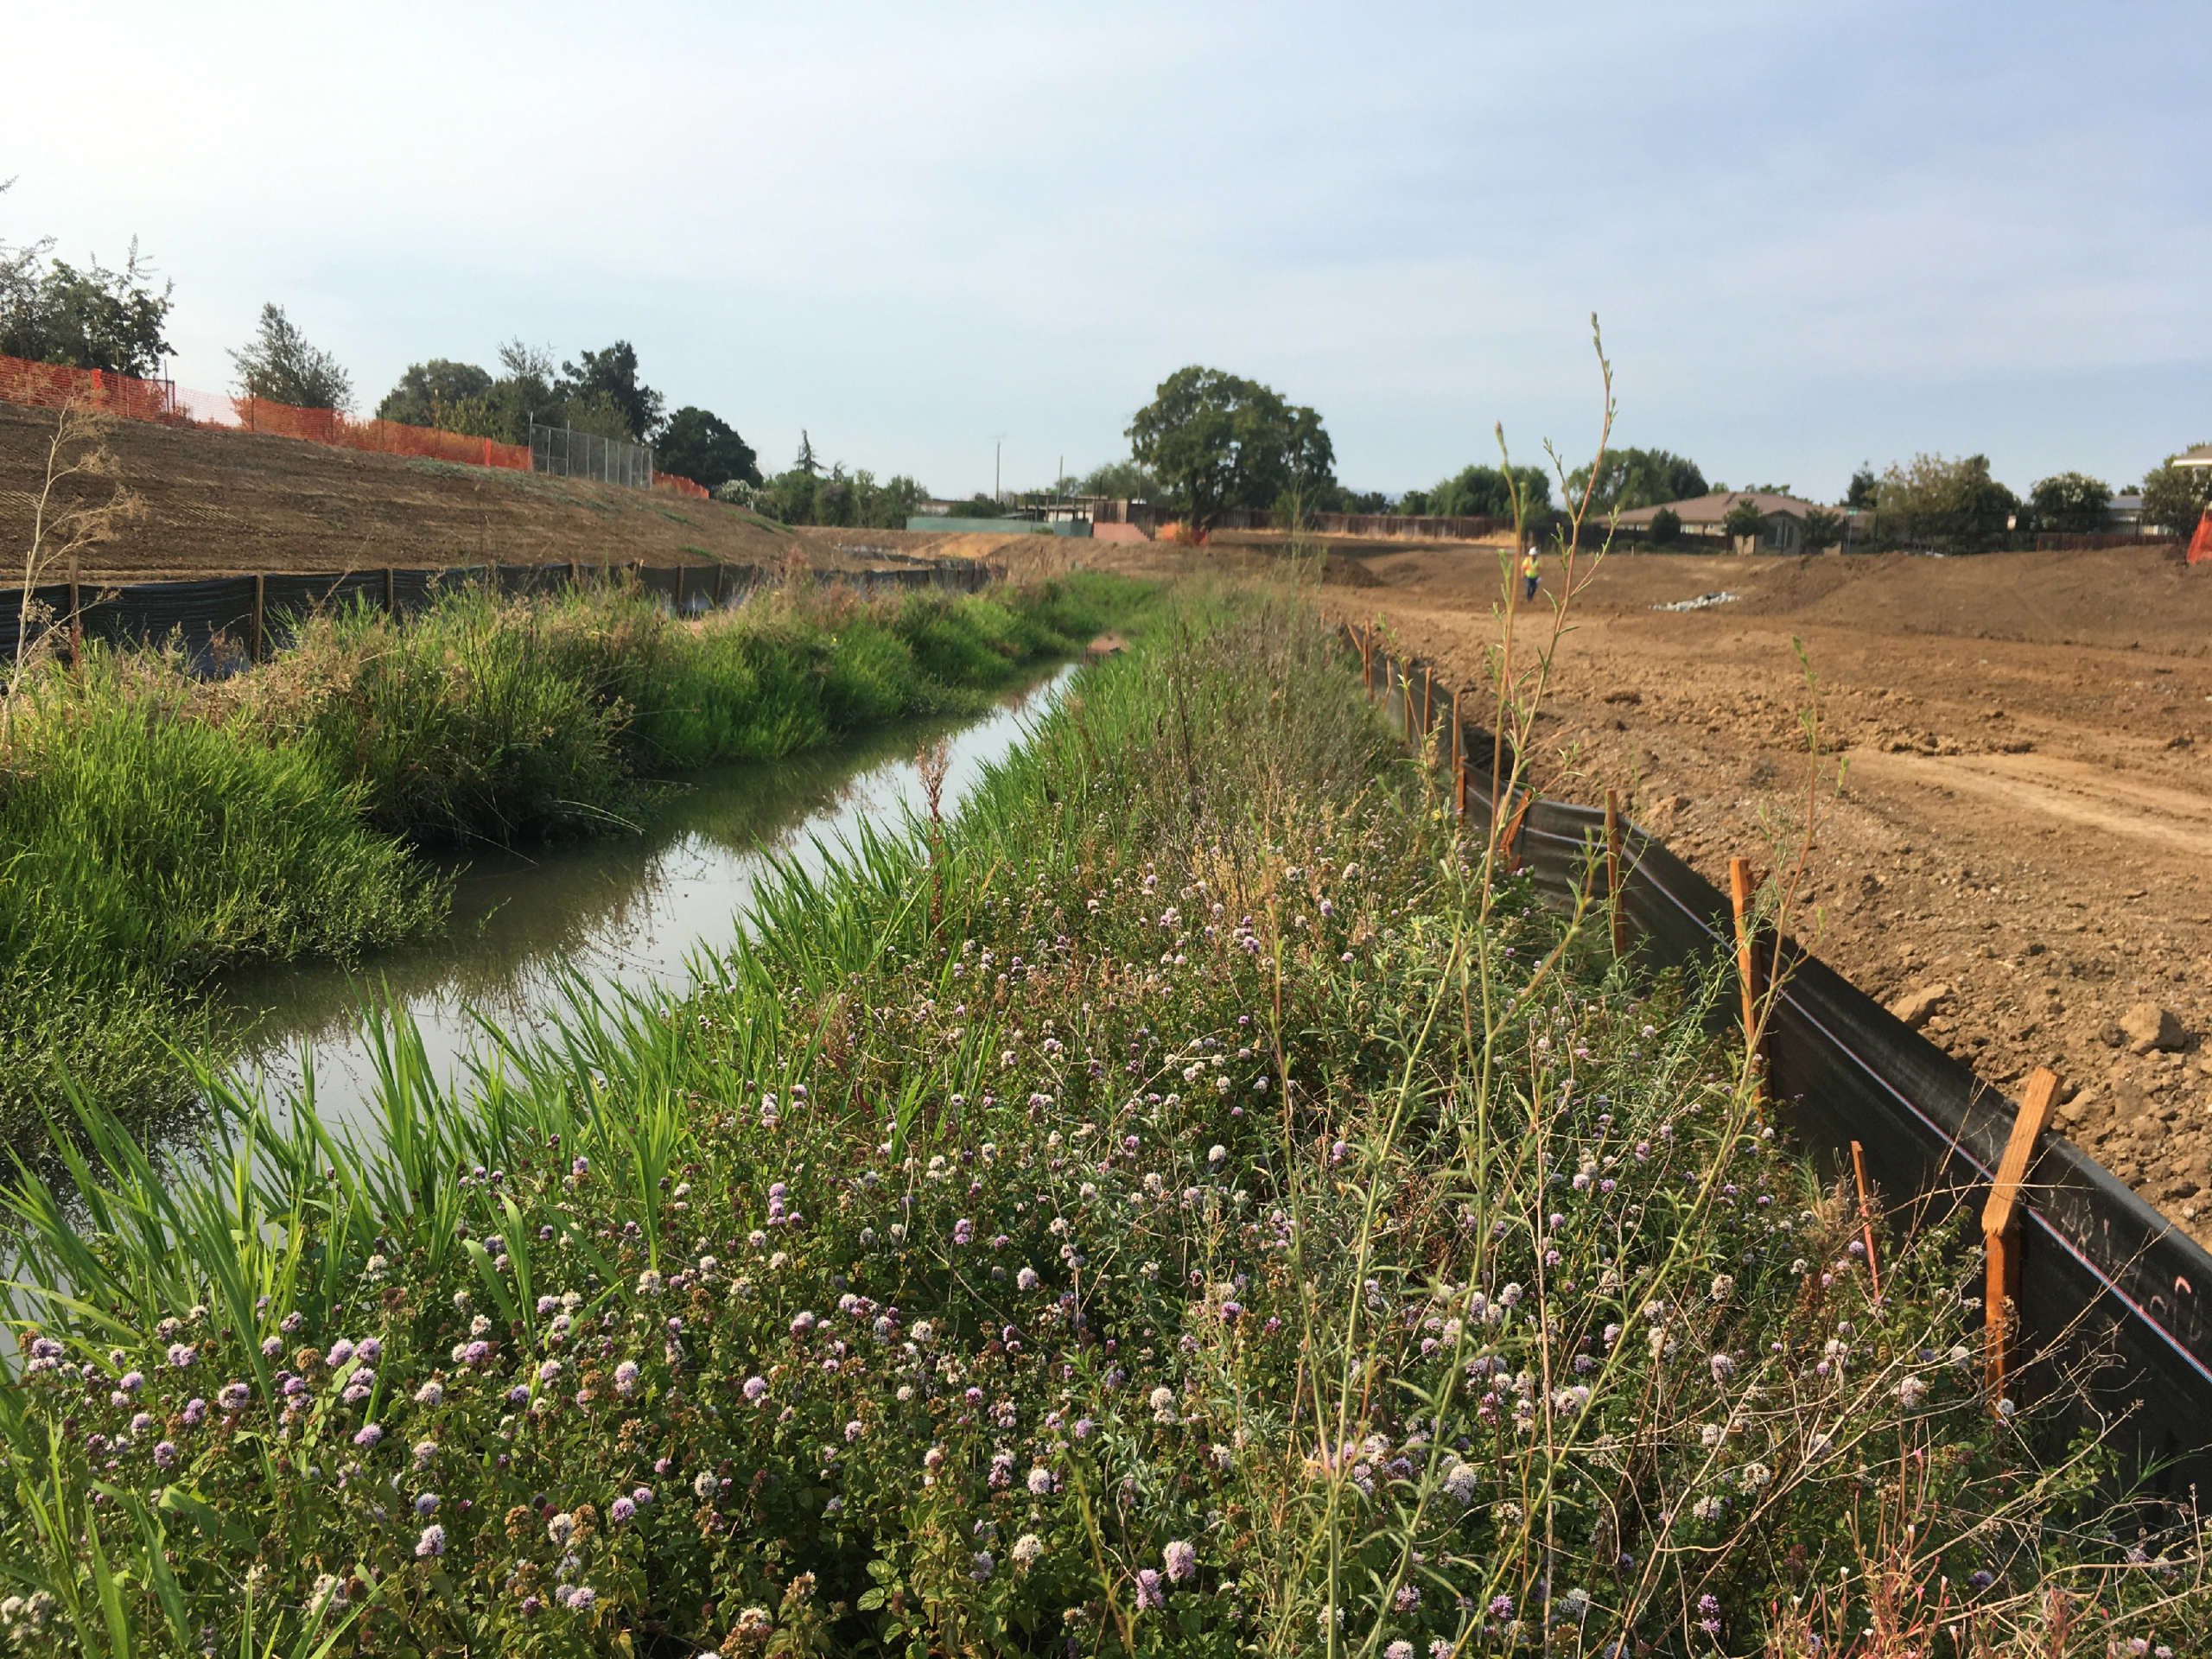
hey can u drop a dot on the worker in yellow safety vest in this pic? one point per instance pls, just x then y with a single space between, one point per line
1531 572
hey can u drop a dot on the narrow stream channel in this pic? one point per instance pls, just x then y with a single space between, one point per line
622 912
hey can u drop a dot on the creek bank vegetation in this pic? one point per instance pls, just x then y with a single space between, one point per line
1193 1201
160 827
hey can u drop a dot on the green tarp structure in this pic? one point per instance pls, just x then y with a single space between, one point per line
1001 526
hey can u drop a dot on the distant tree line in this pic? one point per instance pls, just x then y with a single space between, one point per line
602 392
1208 441
807 492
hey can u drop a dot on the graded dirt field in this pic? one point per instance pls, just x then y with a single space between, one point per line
219 502
2024 826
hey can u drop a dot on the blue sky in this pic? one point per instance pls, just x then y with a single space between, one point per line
1815 235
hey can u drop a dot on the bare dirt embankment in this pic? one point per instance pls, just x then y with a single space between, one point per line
2024 834
219 503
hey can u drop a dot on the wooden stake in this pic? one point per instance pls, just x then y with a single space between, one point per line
1613 867
1740 889
1865 1219
390 591
76 621
2000 1230
1428 700
1509 844
1458 759
254 651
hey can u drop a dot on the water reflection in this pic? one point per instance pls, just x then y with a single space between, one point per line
623 912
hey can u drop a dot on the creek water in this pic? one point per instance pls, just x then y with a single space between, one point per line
621 912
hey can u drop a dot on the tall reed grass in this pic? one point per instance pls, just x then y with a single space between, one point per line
1191 1204
158 829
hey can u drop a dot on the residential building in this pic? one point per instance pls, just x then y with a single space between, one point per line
1701 516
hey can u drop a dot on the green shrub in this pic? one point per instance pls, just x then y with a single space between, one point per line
148 845
870 676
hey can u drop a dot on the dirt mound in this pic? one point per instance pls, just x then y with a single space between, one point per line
2123 598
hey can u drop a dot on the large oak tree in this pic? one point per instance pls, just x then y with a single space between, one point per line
1219 440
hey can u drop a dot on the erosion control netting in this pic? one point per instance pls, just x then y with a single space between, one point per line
2107 1285
224 622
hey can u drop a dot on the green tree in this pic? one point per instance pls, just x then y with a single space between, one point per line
1864 489
896 501
835 499
278 364
428 391
2071 501
2174 498
1631 478
614 372
503 411
599 412
1743 520
90 319
51 312
788 497
1937 499
1310 459
808 462
1481 491
1218 441
700 445
1666 526
1822 529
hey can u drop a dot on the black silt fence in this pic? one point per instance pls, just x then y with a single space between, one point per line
2107 1285
224 622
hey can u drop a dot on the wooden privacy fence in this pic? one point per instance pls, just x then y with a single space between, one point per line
232 619
2081 1270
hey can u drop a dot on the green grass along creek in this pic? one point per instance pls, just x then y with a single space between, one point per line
1187 1205
159 829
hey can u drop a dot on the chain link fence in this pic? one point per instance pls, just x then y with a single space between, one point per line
567 454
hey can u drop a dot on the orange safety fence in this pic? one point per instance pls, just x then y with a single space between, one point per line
2199 545
681 486
51 385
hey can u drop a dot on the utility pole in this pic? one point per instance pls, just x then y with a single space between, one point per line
998 447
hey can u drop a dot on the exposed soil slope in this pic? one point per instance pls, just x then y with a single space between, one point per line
219 502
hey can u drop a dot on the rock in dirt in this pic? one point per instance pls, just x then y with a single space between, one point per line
1913 1008
2147 1025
